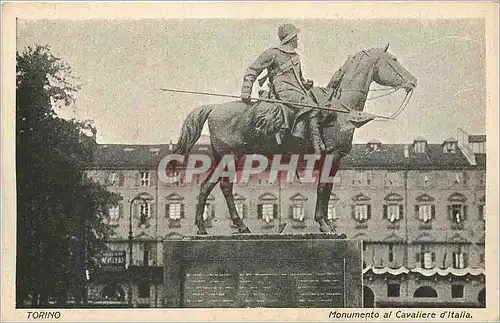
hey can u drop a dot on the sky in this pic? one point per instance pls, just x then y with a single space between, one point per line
121 65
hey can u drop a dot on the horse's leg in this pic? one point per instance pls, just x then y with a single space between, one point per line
227 190
323 195
205 188
323 192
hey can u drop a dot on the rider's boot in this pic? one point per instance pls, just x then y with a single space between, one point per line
317 140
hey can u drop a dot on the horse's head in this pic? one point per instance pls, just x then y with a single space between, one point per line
352 82
389 72
374 64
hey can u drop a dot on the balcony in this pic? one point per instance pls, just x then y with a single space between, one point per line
393 226
457 226
361 226
425 226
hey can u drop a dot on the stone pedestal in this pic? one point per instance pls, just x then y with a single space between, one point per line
278 271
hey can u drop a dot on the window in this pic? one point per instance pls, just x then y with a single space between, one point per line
457 210
457 213
393 290
457 291
267 212
114 214
459 178
359 178
332 211
391 253
144 289
174 211
449 147
459 258
362 212
145 213
267 209
208 214
113 292
144 179
425 213
113 178
425 210
146 254
426 257
480 211
239 208
174 178
298 213
392 179
393 212
419 146
482 179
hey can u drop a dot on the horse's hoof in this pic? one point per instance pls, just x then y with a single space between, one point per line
325 228
202 231
244 230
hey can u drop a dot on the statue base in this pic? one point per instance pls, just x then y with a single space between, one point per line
255 270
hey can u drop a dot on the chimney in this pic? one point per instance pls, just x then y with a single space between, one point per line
94 133
407 151
170 146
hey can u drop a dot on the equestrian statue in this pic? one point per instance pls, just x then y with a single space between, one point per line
293 116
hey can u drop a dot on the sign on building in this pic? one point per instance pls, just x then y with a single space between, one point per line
114 260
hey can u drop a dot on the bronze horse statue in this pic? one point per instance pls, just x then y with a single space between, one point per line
232 127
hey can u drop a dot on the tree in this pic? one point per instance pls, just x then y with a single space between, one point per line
59 211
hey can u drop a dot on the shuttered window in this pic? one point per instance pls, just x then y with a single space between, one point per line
114 214
332 211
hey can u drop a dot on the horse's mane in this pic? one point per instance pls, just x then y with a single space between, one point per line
352 63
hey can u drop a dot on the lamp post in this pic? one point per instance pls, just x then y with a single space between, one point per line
144 198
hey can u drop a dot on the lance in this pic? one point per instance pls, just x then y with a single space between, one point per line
346 109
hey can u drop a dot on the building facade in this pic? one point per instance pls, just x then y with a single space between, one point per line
418 207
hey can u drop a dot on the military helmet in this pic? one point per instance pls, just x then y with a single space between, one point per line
286 32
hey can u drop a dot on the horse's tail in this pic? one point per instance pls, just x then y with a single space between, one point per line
191 129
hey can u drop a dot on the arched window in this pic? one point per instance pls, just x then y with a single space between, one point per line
425 291
368 297
481 298
113 292
144 289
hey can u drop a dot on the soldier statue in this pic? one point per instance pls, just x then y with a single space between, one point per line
286 83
